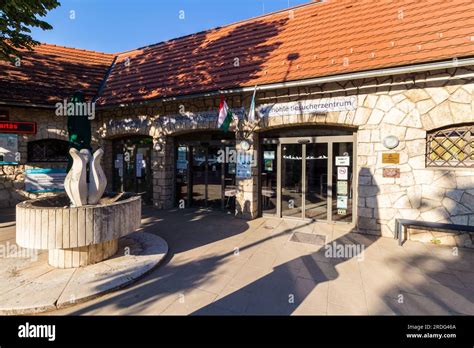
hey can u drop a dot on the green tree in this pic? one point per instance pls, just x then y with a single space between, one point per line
17 18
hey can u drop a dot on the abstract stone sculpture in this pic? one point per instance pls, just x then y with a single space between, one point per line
75 183
78 190
97 180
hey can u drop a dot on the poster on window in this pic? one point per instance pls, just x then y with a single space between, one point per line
139 165
268 165
45 180
269 155
8 149
343 161
342 188
341 202
231 169
342 173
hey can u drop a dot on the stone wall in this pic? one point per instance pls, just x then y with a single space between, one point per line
418 105
49 126
12 177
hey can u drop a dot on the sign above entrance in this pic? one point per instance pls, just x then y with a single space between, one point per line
17 127
308 106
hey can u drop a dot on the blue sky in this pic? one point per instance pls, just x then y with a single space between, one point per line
119 25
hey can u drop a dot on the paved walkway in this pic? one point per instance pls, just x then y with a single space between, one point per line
221 265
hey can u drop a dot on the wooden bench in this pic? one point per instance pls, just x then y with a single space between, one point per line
401 226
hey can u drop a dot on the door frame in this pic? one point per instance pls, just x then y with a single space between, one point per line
191 144
329 140
117 181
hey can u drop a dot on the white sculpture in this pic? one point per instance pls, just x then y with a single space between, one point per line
97 180
78 190
75 183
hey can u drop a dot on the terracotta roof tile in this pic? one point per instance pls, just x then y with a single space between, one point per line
51 73
312 40
318 39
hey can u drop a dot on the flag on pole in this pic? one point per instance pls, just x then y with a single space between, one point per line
225 116
251 114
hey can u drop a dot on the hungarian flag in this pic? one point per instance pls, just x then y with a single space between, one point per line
225 116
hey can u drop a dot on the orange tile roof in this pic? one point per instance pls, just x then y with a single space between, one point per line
313 40
52 73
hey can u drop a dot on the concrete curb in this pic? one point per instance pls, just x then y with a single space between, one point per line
48 288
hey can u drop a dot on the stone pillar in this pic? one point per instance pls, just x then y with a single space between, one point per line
163 172
247 189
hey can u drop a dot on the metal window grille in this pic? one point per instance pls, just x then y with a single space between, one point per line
48 150
451 147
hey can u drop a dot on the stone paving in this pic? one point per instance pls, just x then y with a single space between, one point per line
218 264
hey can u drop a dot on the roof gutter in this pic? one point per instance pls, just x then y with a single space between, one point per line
318 80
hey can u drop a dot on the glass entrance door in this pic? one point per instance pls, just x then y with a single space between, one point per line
204 178
313 180
132 166
199 176
215 179
292 180
316 179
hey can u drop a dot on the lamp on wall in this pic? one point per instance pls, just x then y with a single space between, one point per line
391 142
245 145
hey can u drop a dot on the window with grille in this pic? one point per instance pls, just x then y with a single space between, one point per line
451 147
48 150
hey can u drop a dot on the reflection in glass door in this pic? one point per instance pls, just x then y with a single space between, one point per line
132 169
316 188
199 176
291 183
214 178
203 176
308 178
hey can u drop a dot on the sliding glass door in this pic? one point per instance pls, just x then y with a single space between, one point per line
308 178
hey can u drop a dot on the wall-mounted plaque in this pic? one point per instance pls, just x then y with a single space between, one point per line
391 172
391 158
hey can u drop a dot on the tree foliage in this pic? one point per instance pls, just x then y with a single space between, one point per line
17 18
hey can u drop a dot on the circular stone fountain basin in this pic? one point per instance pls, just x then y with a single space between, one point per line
77 236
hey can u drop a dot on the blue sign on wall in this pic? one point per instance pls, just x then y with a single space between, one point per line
45 180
